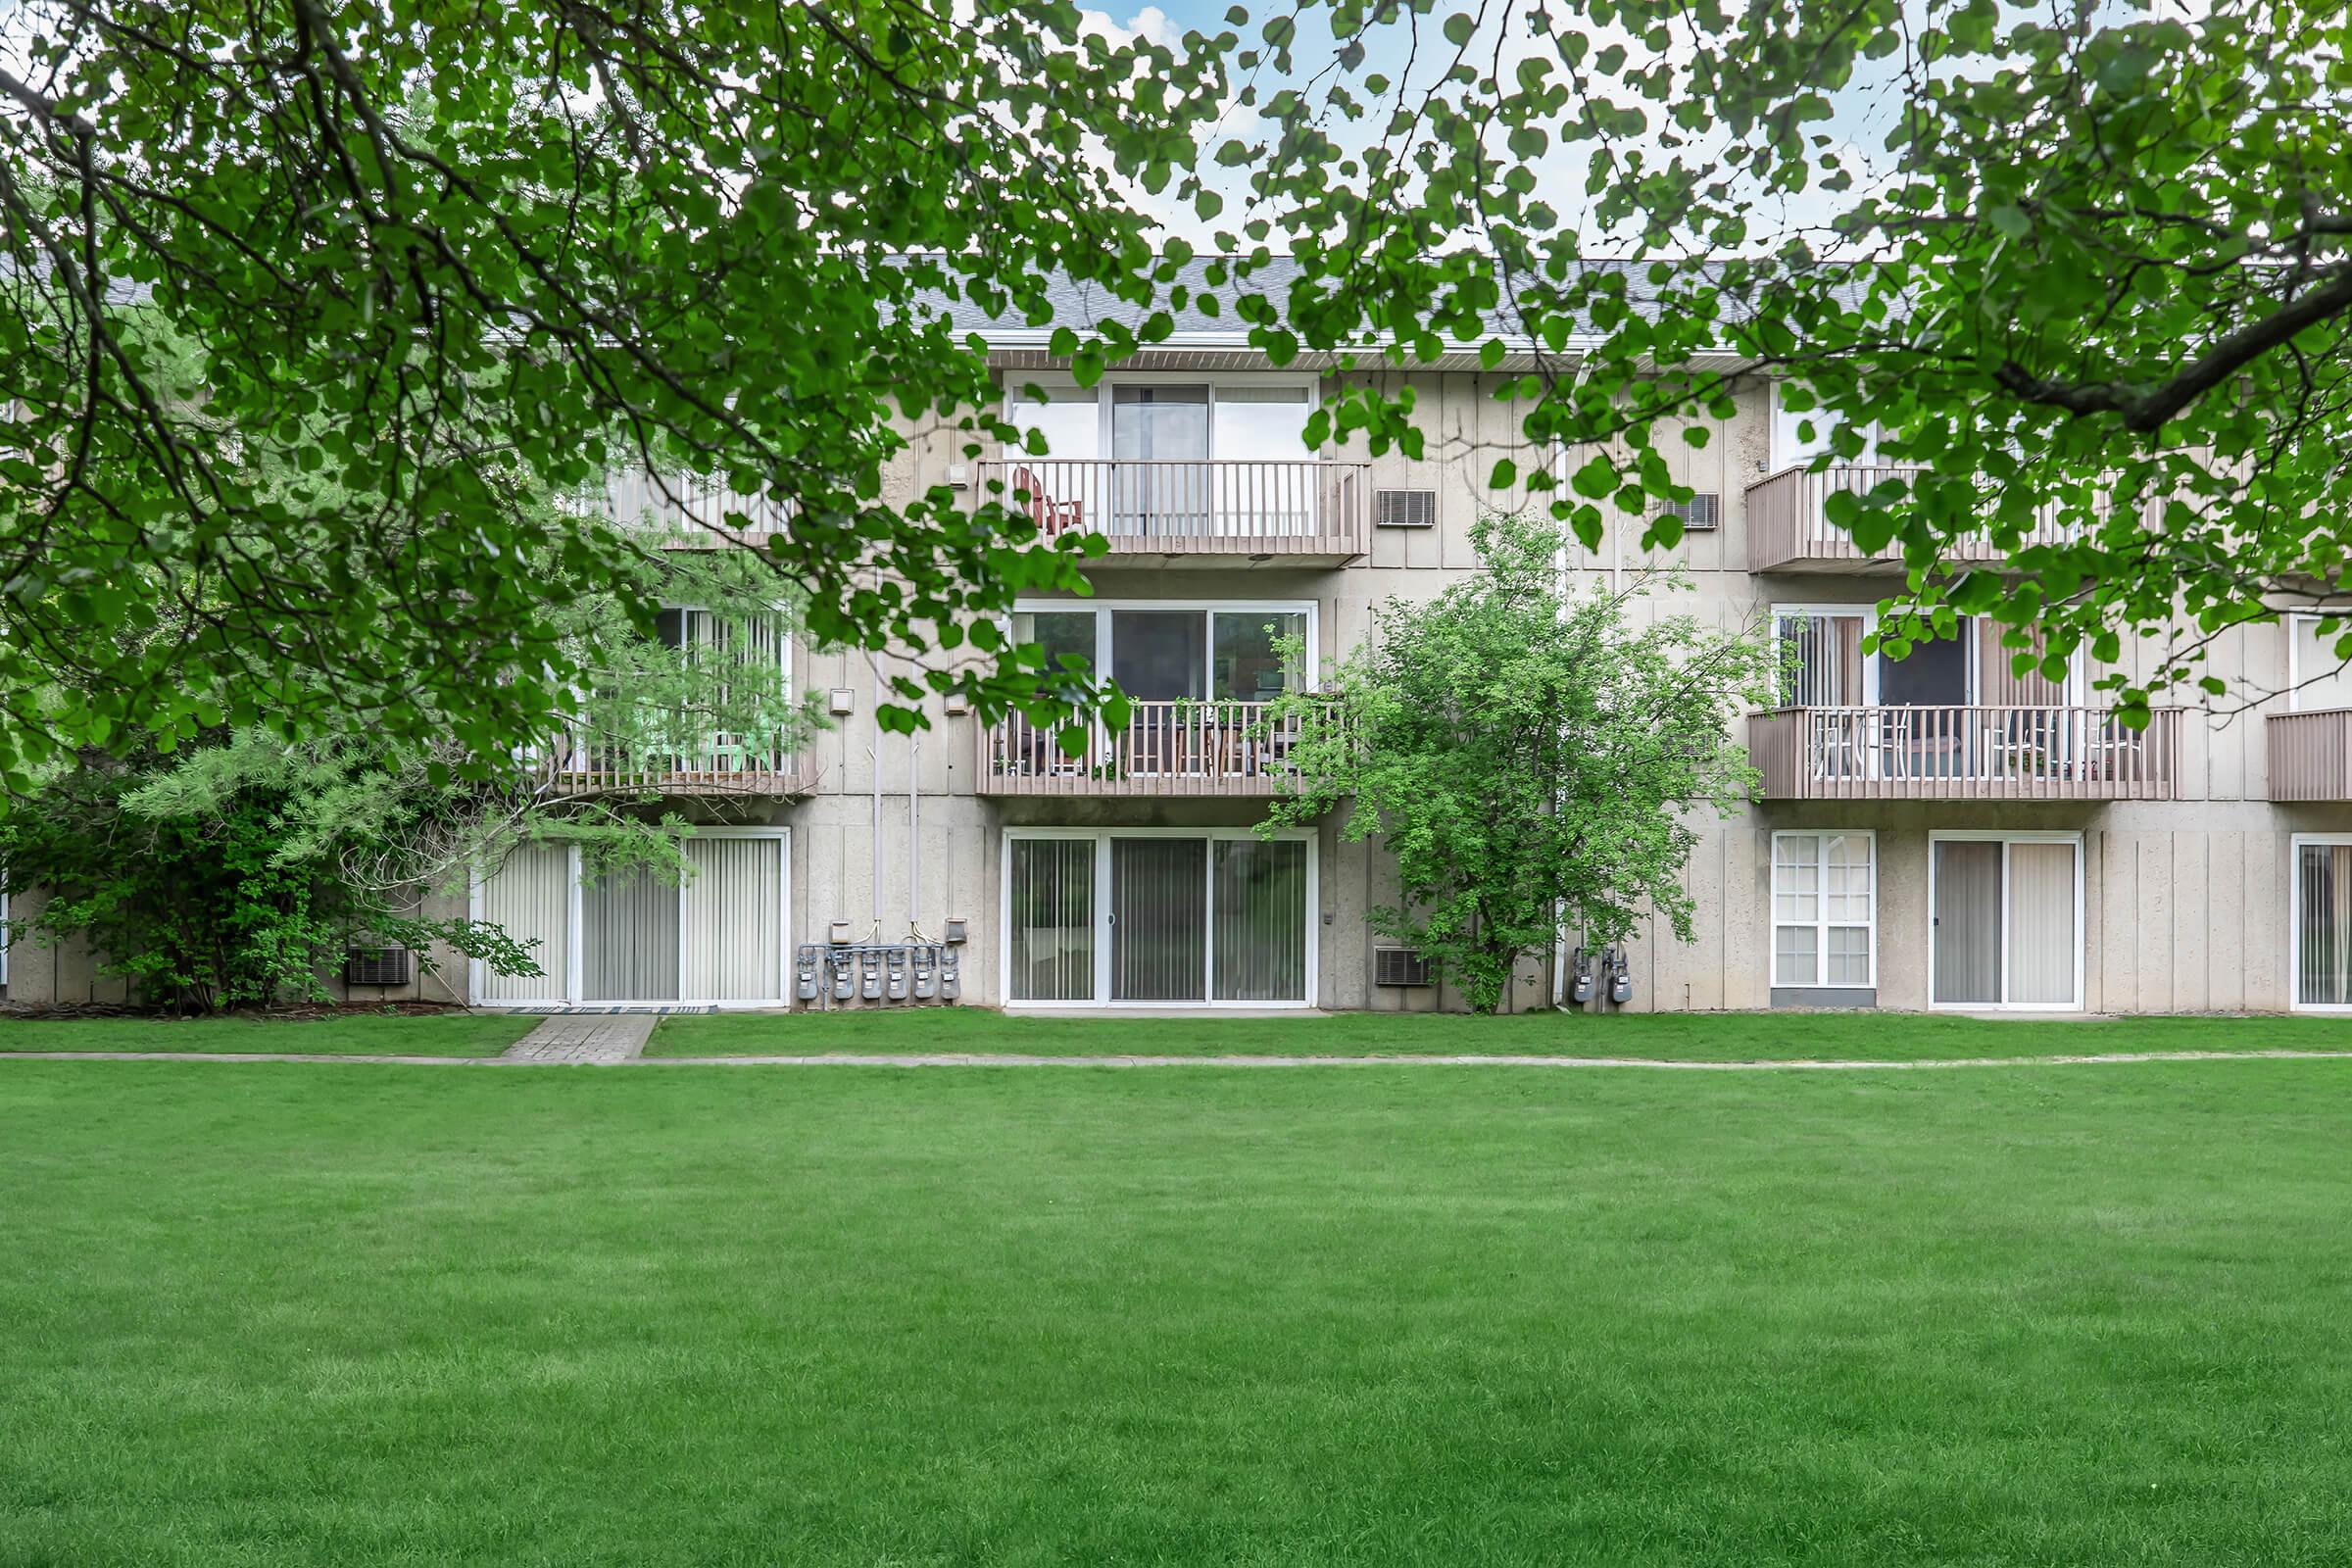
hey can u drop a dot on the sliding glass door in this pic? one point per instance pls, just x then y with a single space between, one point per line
2323 930
716 935
2006 926
1159 918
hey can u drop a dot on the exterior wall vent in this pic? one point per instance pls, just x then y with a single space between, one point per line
375 967
1400 966
1405 509
1699 514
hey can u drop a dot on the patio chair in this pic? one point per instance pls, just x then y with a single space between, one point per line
1052 517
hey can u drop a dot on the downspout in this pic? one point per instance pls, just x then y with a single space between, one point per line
915 836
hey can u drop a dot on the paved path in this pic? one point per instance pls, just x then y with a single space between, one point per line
628 1059
595 1039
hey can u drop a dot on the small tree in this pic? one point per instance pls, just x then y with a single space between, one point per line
1530 756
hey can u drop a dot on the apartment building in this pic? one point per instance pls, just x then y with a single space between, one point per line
1935 833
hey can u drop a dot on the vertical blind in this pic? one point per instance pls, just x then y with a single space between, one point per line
629 939
719 936
2042 924
1261 921
1822 660
2006 904
1187 919
529 898
2323 906
1158 937
731 947
1051 892
1968 921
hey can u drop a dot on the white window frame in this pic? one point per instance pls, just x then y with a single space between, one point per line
1822 923
2294 921
1782 436
573 966
1100 839
1207 609
2081 934
2294 661
1014 403
1869 615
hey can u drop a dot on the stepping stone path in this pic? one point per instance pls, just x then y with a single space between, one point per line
591 1037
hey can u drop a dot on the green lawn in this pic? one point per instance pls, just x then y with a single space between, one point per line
298 1315
361 1034
1695 1037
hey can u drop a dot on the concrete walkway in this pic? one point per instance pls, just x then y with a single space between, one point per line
592 1038
628 1055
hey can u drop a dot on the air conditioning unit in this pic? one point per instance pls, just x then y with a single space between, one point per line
1405 509
1699 514
376 966
1400 966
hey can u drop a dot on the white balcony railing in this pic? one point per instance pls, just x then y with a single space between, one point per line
1964 752
1305 507
1176 748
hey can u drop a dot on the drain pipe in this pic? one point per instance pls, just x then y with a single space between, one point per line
915 835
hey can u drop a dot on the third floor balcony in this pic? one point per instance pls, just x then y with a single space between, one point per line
1304 511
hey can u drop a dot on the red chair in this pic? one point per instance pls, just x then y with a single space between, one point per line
1052 517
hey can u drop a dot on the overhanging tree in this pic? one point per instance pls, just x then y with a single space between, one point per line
1530 757
236 868
431 259
2085 266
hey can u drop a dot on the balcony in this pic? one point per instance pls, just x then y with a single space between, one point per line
2310 754
717 769
1788 528
1166 749
687 511
1964 754
1306 512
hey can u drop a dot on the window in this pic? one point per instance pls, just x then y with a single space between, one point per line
716 936
1792 449
2318 677
1175 653
1823 666
1158 918
2005 920
1160 421
1824 909
2323 921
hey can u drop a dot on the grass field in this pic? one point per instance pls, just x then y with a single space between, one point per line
1695 1037
297 1315
446 1034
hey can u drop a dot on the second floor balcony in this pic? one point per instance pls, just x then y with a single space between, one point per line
1304 511
1788 527
2310 754
1964 752
718 768
1164 749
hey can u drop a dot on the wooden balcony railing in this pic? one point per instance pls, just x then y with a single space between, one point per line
2310 754
718 768
1244 507
1789 525
1964 754
1178 748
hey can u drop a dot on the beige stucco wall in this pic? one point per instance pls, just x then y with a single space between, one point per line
2185 901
